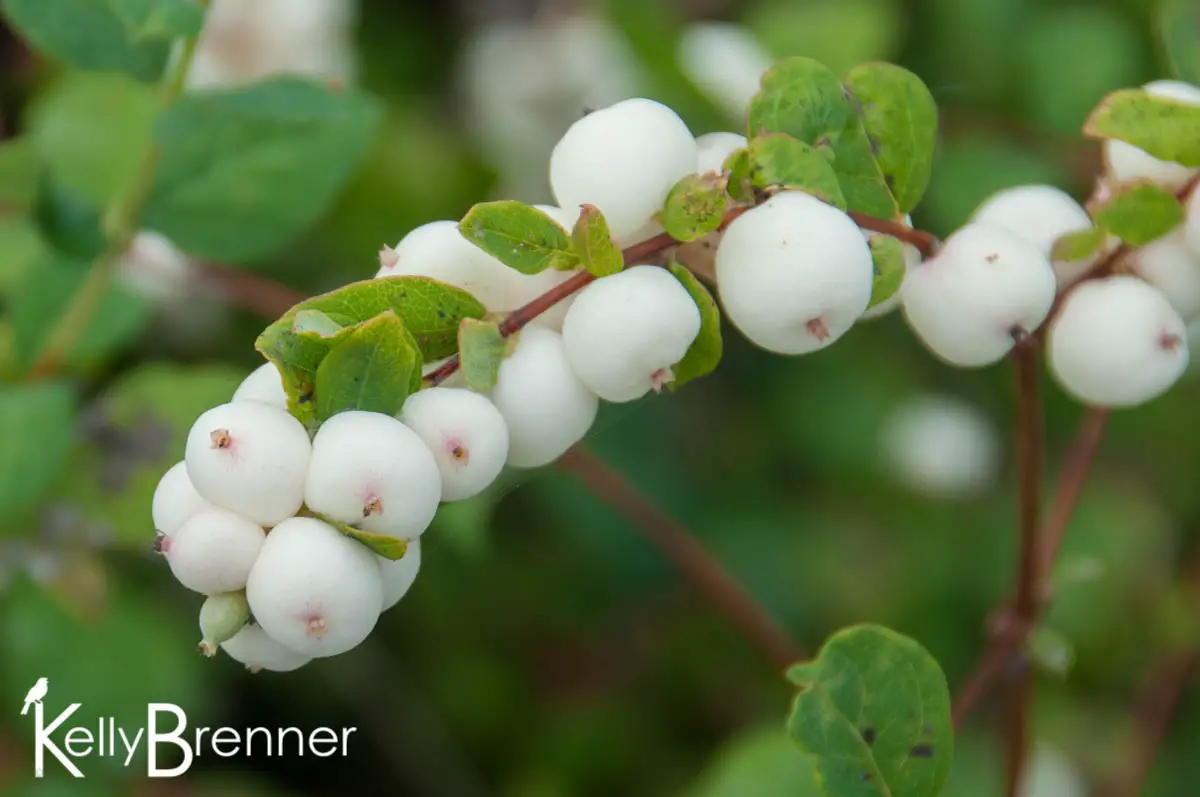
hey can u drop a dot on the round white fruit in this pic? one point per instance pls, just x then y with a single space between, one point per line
984 286
625 332
623 159
175 500
249 457
725 61
466 434
794 274
1117 342
545 405
713 148
1170 265
399 574
254 648
941 446
371 471
1127 163
263 384
315 590
1191 223
214 551
439 251
912 259
1039 214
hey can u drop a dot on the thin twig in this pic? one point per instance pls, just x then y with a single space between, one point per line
249 291
674 540
927 243
1016 732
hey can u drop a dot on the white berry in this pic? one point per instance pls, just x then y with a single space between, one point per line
623 159
1117 342
984 286
315 590
1171 266
254 648
1127 163
545 405
912 259
466 434
371 471
214 551
439 251
713 148
625 332
263 384
175 500
249 457
794 274
725 61
1039 214
941 446
1191 223
399 574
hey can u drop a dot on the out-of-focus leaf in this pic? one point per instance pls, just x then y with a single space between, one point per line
1139 213
36 425
762 762
1179 29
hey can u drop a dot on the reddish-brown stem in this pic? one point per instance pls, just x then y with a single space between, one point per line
1016 732
927 243
248 291
1031 456
674 540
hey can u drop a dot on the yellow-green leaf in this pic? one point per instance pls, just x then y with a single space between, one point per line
704 354
695 206
1167 129
388 547
594 243
370 369
802 98
1139 213
481 350
518 235
887 254
779 161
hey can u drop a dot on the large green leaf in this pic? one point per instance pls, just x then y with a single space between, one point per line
371 368
778 160
18 174
243 172
800 97
1166 129
862 180
760 762
874 710
1179 28
36 425
150 20
704 355
518 235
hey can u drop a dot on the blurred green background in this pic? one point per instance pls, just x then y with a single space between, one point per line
546 650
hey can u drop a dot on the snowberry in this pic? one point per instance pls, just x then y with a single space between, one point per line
1117 342
623 159
371 471
794 273
985 284
725 61
545 405
912 259
941 446
249 457
1040 214
399 574
438 250
175 500
713 148
263 384
258 651
313 589
213 551
221 618
626 331
466 434
1126 162
1191 223
1171 266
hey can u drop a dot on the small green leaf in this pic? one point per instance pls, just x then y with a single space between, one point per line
320 324
153 20
704 354
244 171
1179 29
780 161
370 368
1139 213
87 34
900 119
481 351
695 206
802 98
594 244
520 236
874 710
1166 129
739 183
1078 246
388 547
36 425
887 254
861 179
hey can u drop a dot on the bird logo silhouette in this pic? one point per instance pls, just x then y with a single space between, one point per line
35 694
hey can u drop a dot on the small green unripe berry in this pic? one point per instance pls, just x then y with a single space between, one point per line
221 617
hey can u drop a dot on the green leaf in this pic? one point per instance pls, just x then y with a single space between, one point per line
36 425
1079 245
320 324
694 207
242 172
152 20
704 354
519 236
1179 29
18 175
874 710
43 294
87 34
900 119
1166 129
481 351
1139 213
67 221
802 98
887 255
759 762
739 181
388 547
861 179
780 161
598 252
370 368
